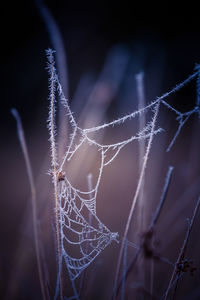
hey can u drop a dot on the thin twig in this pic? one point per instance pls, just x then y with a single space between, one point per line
52 132
183 249
61 62
128 270
157 214
163 197
151 227
142 121
141 210
57 43
22 141
124 271
136 194
198 86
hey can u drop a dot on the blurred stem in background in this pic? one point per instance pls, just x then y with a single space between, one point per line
22 141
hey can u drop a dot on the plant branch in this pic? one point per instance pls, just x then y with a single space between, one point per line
183 249
52 131
151 227
136 194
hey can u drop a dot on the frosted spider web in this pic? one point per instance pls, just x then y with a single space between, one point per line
79 223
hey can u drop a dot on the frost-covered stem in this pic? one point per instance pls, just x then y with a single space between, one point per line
22 141
67 152
136 195
52 131
183 249
61 62
141 104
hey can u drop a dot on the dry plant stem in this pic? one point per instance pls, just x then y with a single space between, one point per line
152 225
124 271
198 87
162 198
57 42
61 61
141 210
158 211
183 249
55 173
136 195
141 104
22 141
128 270
175 288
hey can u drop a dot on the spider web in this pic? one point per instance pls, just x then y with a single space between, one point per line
78 208
80 227
90 240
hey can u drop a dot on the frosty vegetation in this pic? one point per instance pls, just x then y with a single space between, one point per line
78 226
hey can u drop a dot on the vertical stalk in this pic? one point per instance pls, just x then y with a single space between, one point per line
52 131
22 141
136 195
142 209
142 121
61 62
150 229
182 251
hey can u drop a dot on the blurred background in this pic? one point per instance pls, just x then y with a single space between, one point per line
107 43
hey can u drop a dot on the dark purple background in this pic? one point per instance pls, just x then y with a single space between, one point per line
165 36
